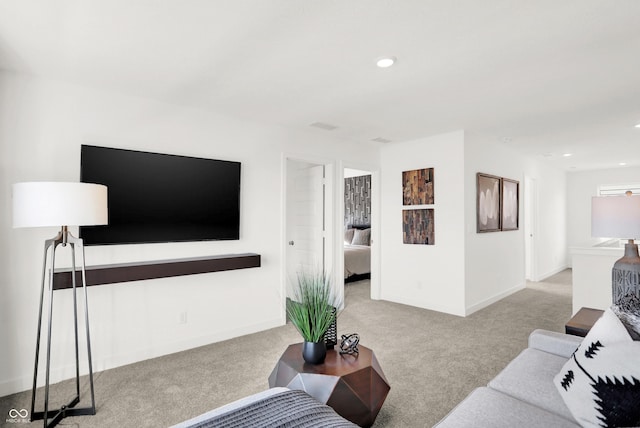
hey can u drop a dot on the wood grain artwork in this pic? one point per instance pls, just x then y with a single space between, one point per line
417 187
418 227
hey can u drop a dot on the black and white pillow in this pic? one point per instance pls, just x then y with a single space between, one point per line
600 384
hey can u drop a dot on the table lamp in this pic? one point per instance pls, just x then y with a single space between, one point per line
42 204
619 217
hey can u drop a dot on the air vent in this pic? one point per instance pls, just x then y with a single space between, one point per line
325 126
381 140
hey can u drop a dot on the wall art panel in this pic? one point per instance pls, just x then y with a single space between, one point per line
417 187
418 226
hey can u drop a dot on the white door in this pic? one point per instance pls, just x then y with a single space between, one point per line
530 221
305 219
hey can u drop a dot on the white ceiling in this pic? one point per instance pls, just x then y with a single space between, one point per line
543 76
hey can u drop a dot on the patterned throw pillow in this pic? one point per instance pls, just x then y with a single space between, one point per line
600 384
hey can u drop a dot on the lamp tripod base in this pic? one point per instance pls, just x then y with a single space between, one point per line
51 417
63 412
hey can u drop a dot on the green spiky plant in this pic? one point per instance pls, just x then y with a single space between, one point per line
311 308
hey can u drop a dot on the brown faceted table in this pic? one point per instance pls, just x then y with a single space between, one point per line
354 385
582 321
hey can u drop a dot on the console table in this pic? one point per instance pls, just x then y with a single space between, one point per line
354 385
137 271
582 321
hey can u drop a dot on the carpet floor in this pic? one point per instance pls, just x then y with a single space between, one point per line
432 361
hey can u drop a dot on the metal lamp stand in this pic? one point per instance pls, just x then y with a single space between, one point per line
52 417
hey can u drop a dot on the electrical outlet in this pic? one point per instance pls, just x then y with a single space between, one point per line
182 317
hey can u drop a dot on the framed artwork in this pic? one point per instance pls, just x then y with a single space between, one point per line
418 227
417 187
487 203
510 199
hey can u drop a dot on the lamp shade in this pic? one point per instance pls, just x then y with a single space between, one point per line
39 204
615 217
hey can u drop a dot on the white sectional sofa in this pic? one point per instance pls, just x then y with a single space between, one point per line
523 394
562 381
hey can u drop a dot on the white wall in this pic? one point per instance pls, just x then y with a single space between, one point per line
495 262
42 125
427 276
581 186
465 271
591 266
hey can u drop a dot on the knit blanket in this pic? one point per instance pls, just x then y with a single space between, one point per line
291 409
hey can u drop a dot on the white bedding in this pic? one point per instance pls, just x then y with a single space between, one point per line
357 260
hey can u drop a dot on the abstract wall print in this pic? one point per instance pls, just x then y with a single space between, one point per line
417 187
418 227
488 203
510 201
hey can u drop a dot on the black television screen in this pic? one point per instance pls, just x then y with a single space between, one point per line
156 197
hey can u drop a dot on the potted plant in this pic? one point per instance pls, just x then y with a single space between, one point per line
311 311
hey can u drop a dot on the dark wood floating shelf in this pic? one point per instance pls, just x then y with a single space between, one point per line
137 271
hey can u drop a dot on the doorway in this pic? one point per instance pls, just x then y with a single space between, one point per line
356 227
530 227
307 202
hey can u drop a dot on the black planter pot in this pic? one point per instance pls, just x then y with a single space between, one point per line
314 352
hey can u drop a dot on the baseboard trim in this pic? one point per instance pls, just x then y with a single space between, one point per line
409 302
491 300
59 374
551 273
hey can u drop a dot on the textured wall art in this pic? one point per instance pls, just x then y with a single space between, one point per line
488 203
357 200
417 187
510 204
418 227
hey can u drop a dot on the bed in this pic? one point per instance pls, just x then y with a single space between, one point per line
357 252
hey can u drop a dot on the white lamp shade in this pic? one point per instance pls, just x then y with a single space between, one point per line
39 204
615 217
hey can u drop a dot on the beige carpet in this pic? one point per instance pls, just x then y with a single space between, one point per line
432 361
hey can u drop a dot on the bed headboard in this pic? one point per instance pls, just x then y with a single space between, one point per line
359 226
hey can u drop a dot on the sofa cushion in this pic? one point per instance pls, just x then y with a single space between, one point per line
529 378
560 344
601 382
487 408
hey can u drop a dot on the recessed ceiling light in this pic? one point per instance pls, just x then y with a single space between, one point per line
381 140
386 61
566 155
323 125
638 125
622 163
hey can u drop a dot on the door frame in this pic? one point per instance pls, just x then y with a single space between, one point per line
329 208
531 219
375 225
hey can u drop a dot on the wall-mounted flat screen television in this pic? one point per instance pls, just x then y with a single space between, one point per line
156 197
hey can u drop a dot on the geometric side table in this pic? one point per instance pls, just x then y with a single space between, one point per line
353 385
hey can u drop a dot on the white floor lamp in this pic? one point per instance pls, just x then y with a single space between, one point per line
41 204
